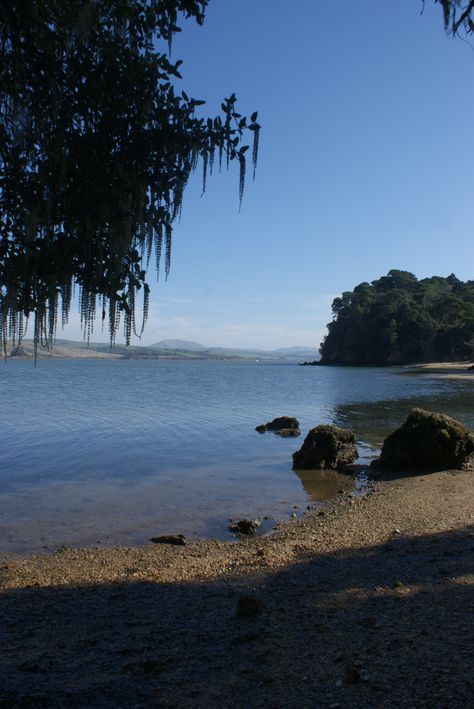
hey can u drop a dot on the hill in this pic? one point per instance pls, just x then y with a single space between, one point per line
165 349
399 319
187 345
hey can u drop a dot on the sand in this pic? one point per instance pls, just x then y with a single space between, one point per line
367 603
445 370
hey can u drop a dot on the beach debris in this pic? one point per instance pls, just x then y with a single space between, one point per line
427 441
177 539
249 606
286 426
326 447
245 526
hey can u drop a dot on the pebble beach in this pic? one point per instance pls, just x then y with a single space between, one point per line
364 602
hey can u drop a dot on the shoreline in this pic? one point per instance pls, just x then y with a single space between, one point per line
444 370
342 591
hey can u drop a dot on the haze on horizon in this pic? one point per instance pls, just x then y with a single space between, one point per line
365 165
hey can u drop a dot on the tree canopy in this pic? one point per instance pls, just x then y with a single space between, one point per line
96 147
398 319
458 16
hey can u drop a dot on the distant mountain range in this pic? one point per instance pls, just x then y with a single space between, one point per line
164 349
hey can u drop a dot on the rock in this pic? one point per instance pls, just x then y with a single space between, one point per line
427 441
352 674
245 526
282 423
326 446
288 432
177 539
249 605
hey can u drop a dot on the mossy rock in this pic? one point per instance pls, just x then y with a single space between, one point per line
326 447
279 424
427 441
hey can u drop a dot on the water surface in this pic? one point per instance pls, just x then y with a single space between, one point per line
116 451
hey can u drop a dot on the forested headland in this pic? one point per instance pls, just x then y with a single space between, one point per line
399 319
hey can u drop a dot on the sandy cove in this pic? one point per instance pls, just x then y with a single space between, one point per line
445 370
365 604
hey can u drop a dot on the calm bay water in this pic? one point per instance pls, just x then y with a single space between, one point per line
121 450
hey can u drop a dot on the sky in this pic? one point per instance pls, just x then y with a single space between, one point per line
366 164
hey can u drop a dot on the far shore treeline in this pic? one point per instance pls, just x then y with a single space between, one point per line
399 319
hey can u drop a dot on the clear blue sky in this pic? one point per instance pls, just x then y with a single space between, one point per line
366 164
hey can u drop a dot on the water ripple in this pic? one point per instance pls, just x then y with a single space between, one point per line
100 448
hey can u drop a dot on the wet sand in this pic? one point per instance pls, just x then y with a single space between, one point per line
367 603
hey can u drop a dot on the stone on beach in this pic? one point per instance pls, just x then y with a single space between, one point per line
427 441
176 539
245 526
249 606
326 446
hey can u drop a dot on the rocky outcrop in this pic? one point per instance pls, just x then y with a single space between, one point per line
283 425
427 441
326 446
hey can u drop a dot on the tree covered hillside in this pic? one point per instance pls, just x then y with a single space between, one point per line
399 319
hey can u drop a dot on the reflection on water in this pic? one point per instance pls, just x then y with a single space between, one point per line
323 484
124 450
373 421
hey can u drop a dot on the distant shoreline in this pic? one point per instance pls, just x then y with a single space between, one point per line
164 350
440 370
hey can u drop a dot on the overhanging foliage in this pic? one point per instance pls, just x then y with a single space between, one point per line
458 16
96 148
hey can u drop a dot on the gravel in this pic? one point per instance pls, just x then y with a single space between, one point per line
366 603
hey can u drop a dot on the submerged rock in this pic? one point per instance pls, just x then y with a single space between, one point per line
427 441
245 526
326 446
177 539
281 424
